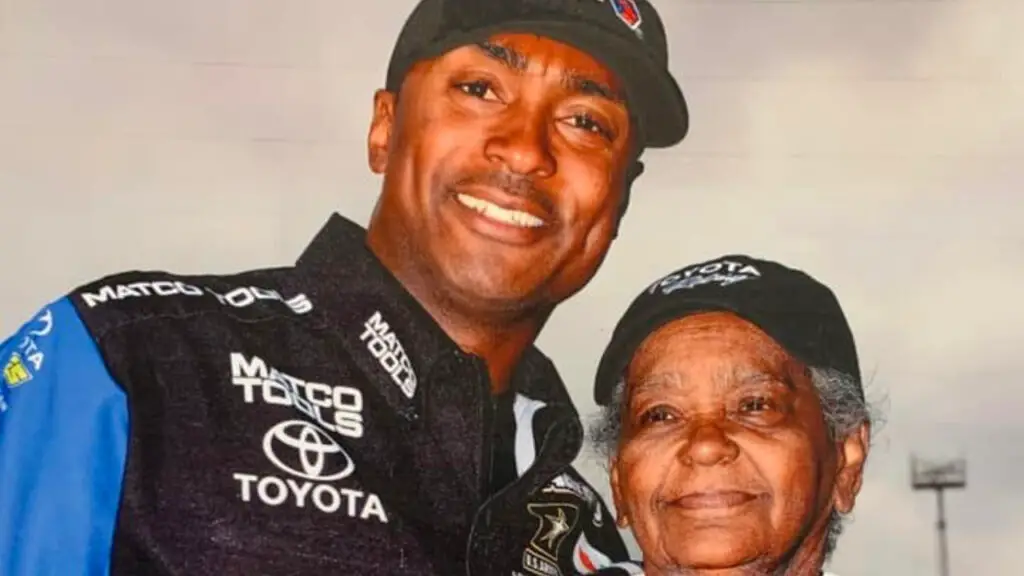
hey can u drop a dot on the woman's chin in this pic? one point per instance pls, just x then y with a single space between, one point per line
711 549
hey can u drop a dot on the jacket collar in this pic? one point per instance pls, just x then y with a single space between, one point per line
357 294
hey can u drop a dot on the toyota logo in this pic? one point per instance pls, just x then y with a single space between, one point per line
308 452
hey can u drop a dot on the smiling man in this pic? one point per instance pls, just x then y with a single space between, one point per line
379 407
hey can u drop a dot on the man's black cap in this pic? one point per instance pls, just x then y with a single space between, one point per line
627 36
794 309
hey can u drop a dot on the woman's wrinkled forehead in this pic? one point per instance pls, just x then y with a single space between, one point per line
720 378
711 343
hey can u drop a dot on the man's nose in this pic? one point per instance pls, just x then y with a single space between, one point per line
707 444
522 144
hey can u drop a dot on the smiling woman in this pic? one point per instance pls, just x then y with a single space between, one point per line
735 422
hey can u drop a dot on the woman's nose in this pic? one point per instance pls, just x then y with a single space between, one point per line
707 444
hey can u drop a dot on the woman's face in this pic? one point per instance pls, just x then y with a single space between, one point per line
726 462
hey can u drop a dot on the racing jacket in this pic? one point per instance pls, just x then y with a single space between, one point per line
312 419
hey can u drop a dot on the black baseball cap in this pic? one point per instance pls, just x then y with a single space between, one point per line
627 36
797 311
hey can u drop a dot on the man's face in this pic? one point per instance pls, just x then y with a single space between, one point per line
503 171
726 461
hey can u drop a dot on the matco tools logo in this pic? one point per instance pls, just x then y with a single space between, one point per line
384 345
308 456
239 297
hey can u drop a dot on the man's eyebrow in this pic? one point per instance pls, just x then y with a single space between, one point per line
586 86
507 56
573 81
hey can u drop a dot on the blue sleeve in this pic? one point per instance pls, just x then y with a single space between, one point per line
63 439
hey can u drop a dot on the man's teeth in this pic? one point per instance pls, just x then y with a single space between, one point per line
503 215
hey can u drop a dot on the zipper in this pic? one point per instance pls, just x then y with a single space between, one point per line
482 381
486 412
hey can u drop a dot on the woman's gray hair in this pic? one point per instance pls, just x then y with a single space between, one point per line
842 404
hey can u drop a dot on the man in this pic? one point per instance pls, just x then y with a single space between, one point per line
378 408
735 422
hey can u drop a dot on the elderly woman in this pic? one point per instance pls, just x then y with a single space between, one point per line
735 420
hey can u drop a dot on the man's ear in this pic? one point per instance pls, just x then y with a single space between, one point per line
621 518
853 454
378 142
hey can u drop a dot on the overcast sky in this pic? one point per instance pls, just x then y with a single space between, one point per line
871 143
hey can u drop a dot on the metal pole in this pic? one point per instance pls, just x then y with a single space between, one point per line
941 525
949 475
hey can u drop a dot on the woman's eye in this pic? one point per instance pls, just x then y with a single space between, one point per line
478 89
588 123
762 410
655 415
756 404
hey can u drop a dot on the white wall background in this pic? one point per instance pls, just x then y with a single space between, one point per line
874 143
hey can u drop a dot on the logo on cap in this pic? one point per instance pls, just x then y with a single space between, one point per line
628 12
722 272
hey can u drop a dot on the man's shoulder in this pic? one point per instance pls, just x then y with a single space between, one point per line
129 297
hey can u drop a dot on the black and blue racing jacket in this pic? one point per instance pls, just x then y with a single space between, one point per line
303 420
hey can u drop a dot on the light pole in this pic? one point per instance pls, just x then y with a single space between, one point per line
939 477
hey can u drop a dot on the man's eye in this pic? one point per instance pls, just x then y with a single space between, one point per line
478 89
588 123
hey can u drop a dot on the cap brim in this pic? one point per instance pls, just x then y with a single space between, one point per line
627 339
655 98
